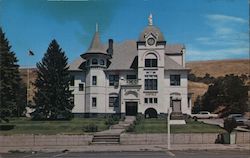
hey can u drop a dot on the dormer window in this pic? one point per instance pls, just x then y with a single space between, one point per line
87 63
101 62
94 61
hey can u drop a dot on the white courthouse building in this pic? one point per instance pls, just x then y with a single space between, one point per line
145 76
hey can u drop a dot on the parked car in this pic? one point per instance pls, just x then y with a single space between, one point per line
247 123
203 115
239 119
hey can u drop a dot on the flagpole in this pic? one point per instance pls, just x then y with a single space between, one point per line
28 80
30 53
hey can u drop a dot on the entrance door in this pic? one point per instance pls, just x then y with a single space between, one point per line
131 108
177 106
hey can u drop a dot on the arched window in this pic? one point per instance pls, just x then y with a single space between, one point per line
101 62
113 100
94 61
87 63
151 60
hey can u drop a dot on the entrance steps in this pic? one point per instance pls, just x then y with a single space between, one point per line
112 136
106 139
177 118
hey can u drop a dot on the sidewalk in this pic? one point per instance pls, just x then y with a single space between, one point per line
120 148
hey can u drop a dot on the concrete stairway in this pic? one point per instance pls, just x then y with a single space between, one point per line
177 116
106 139
112 136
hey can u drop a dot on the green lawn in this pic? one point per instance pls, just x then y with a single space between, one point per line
74 126
160 126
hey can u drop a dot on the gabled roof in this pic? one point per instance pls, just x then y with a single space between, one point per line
125 57
170 64
174 48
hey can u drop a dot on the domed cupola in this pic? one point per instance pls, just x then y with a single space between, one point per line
151 34
97 54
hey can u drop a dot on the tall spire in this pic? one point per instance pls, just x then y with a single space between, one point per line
96 27
96 45
150 19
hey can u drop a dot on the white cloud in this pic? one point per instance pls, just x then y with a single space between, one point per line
226 31
225 18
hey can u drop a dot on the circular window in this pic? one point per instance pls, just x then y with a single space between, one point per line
151 41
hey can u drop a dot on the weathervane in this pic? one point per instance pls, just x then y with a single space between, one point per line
150 19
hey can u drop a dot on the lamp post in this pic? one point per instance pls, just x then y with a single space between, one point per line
169 113
168 120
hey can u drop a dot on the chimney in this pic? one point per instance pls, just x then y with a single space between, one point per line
110 48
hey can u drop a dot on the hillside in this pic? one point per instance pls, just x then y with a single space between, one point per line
196 89
218 68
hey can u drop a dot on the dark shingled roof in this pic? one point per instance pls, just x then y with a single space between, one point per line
125 57
96 46
174 48
75 65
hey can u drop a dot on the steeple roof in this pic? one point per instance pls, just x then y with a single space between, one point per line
96 46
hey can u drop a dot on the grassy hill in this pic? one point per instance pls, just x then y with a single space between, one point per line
218 68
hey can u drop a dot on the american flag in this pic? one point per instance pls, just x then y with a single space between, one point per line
30 53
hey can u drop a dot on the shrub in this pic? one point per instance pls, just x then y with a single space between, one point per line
131 128
229 125
6 127
111 120
139 118
90 128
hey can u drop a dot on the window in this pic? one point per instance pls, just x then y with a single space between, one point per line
81 86
94 61
94 80
87 63
113 80
150 100
150 62
131 77
72 80
150 84
101 62
175 80
94 102
155 100
113 101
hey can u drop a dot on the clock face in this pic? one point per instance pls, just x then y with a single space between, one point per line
151 41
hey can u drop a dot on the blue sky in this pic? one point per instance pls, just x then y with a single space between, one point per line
210 29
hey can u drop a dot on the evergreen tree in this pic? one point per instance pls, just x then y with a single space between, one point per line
9 79
53 97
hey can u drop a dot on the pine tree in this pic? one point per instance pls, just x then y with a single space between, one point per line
53 97
9 79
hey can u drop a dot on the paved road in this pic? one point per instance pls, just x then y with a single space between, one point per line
167 154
